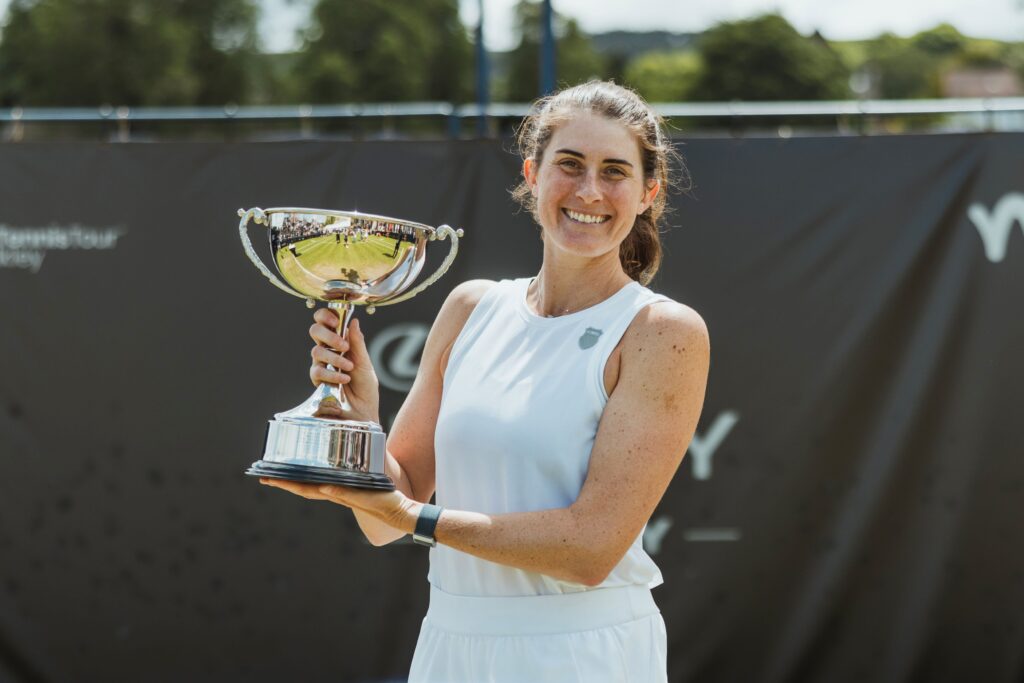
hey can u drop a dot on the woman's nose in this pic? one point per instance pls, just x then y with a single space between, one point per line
588 189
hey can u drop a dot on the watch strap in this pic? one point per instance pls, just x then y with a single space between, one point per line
425 525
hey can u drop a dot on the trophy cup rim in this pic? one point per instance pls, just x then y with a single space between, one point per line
312 285
350 214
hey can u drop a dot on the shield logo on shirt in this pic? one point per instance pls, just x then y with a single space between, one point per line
590 337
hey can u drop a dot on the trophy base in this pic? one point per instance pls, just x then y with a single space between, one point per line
321 475
320 450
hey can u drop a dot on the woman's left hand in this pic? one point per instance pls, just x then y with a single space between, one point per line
391 507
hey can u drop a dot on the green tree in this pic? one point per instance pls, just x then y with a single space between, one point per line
576 60
943 40
985 54
901 69
385 51
664 76
223 40
126 52
1015 57
765 58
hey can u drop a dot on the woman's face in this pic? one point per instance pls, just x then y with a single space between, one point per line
589 185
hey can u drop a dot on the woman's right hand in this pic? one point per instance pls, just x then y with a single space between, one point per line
353 372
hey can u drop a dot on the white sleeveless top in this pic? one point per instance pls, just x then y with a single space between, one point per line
521 402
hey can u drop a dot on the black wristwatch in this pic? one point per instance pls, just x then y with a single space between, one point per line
425 525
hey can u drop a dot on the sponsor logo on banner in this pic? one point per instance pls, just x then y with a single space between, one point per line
395 353
654 533
25 248
996 226
703 446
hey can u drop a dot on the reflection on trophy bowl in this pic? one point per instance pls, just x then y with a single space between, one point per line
338 256
345 259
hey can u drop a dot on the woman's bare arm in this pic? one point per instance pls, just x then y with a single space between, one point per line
645 430
410 445
646 427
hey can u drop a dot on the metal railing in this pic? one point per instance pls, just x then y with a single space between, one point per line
456 115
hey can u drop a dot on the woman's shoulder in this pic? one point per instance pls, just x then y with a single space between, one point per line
466 295
666 327
460 304
454 315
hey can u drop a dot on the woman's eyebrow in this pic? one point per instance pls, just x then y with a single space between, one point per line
574 153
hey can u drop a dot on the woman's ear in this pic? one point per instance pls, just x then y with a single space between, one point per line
652 191
530 174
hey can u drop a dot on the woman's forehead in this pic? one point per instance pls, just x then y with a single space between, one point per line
595 136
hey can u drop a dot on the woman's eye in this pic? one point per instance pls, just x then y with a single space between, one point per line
569 163
614 170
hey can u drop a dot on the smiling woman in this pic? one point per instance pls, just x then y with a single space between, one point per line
548 415
617 119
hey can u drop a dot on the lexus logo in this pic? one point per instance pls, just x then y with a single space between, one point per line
395 352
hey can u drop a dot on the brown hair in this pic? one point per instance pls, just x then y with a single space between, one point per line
640 252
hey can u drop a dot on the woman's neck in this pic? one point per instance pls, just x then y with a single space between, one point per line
567 288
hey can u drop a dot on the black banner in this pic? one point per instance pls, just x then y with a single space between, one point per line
849 510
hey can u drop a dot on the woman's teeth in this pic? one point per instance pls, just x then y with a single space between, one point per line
584 218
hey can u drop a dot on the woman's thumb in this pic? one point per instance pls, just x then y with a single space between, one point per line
357 342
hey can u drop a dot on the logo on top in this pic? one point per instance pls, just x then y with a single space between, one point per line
590 337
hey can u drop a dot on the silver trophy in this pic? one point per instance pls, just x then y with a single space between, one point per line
344 259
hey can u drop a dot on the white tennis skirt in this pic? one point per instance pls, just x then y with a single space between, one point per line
605 634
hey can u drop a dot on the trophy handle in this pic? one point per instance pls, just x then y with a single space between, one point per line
439 234
257 215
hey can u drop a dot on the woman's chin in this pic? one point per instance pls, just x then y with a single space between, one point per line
584 247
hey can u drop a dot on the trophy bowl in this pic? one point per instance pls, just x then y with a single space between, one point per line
342 258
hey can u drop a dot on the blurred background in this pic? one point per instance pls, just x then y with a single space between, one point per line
457 56
850 508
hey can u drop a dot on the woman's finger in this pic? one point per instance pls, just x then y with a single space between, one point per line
326 317
323 355
345 495
309 491
328 337
321 375
357 344
341 495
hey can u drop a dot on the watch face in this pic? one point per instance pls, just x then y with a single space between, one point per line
424 540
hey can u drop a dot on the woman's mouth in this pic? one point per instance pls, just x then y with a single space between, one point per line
578 217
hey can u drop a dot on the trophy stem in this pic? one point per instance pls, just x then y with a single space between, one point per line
344 311
332 397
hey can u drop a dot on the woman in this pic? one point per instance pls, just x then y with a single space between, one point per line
550 414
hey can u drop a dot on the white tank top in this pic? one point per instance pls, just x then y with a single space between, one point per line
521 402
